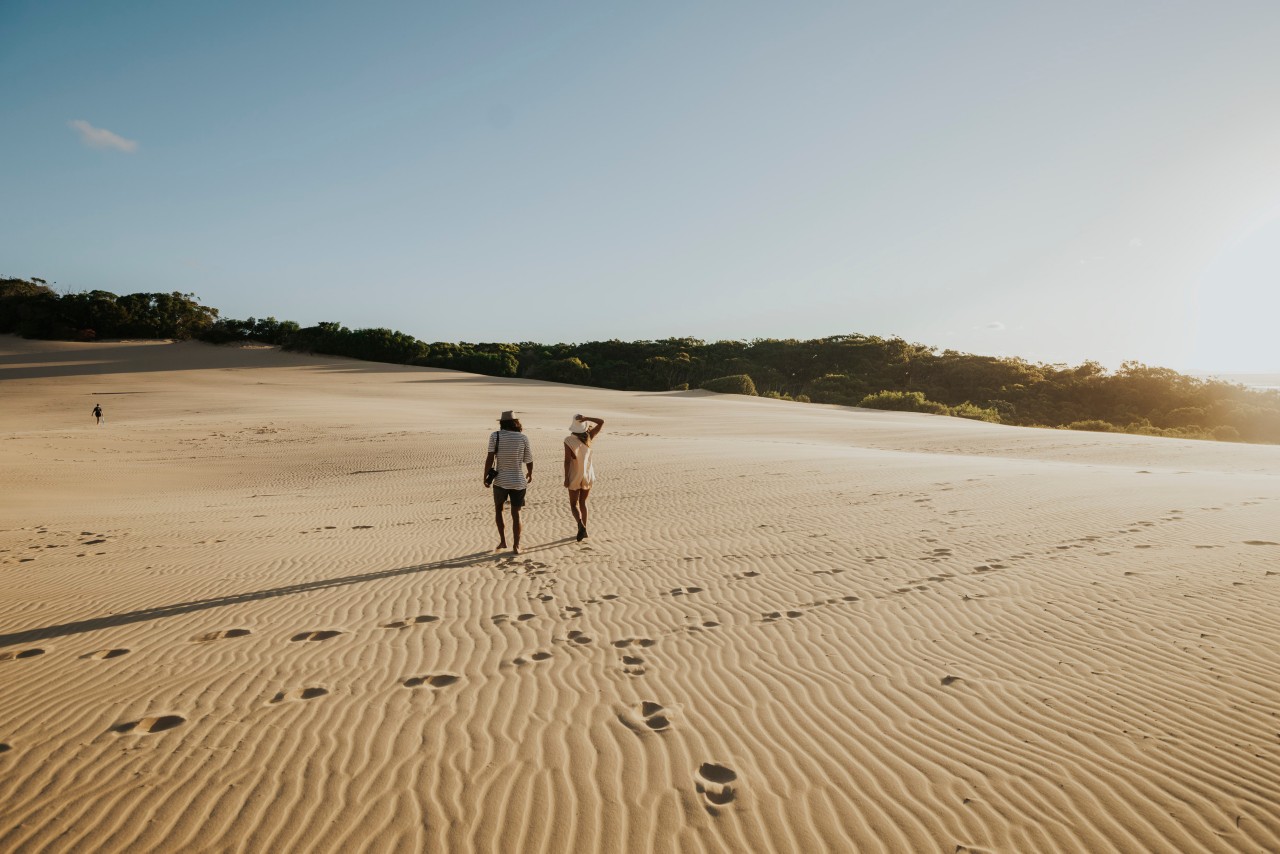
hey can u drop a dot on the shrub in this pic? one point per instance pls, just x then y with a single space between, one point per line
1186 416
736 384
836 388
1225 433
976 413
489 364
373 345
1094 425
268 330
1006 410
1141 427
903 401
571 370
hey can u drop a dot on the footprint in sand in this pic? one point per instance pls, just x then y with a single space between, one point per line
221 634
299 694
632 665
578 637
409 621
145 726
648 716
715 783
4 748
439 680
316 636
16 654
681 591
105 653
537 656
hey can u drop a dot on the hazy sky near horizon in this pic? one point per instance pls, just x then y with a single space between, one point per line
1055 181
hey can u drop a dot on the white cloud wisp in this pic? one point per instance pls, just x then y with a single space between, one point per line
101 137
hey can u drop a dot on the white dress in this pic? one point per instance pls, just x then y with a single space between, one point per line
581 473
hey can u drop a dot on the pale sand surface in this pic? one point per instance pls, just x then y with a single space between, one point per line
794 628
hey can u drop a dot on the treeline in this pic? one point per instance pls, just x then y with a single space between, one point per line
853 370
33 310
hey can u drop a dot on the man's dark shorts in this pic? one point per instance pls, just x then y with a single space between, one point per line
500 495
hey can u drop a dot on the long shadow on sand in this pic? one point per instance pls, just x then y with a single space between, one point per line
115 359
162 611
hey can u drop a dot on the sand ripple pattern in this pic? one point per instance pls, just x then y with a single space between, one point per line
851 631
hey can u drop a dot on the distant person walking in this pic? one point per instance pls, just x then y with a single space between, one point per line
508 449
97 413
579 474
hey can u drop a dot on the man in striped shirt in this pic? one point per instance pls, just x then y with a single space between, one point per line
509 447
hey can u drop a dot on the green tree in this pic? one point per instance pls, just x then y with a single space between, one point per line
737 384
571 370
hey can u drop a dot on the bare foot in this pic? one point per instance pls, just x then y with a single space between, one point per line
502 545
515 550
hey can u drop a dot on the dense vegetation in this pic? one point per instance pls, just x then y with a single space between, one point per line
854 370
33 310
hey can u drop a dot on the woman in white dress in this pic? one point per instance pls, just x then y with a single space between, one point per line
579 474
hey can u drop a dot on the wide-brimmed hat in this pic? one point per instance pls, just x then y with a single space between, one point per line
576 426
507 415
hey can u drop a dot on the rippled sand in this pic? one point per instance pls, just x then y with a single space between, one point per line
258 610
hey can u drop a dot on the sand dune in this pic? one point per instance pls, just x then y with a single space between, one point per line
258 611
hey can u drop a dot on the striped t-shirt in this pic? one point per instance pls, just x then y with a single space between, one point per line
513 452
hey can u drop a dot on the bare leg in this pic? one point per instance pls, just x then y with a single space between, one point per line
502 528
515 529
573 505
579 499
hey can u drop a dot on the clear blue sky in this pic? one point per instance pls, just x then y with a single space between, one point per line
1056 181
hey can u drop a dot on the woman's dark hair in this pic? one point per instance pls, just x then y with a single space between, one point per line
512 424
